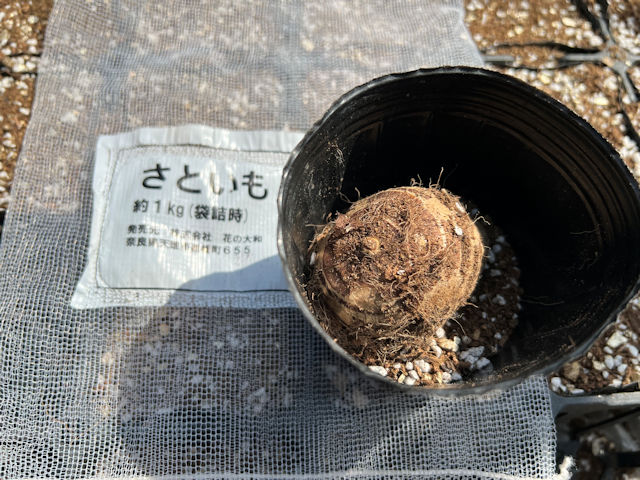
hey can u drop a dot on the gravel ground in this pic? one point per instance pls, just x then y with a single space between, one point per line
22 27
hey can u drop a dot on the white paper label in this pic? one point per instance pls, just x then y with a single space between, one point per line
186 216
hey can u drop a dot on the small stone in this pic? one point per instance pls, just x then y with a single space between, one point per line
633 350
556 383
621 369
401 377
609 362
379 370
458 230
447 344
616 382
499 300
605 374
19 68
440 333
413 374
597 365
409 381
544 78
408 366
424 366
32 19
446 377
482 362
571 371
601 101
470 355
616 340
437 350
595 41
576 391
456 377
397 366
569 22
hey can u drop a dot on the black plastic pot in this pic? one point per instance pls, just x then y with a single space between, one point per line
566 201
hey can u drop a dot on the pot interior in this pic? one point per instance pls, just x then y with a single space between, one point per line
566 202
